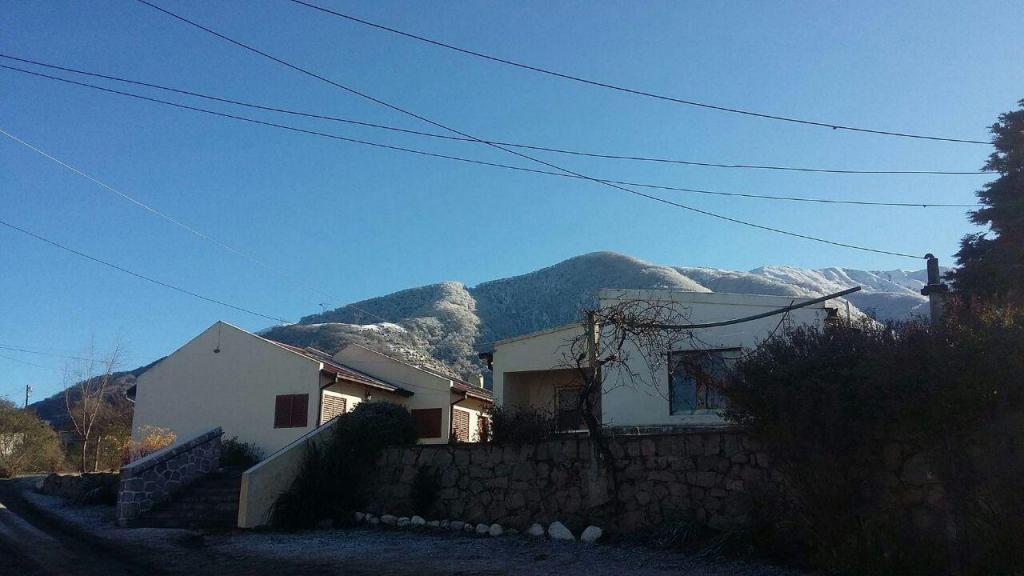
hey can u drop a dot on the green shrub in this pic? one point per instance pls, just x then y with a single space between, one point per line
520 425
425 488
830 405
235 454
332 481
27 444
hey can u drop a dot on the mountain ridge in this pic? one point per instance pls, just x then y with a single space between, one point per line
446 323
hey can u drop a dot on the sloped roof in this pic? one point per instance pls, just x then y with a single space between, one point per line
332 366
476 391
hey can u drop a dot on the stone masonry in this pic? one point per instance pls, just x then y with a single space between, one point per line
158 476
706 474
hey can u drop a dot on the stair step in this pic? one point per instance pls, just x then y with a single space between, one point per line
212 502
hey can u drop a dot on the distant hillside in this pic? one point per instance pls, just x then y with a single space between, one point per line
446 323
54 409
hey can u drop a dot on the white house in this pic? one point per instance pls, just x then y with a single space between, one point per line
269 394
532 370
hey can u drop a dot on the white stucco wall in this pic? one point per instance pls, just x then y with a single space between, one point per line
476 410
539 351
263 483
646 403
429 390
629 403
195 389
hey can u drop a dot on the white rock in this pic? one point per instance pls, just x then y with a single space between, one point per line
495 530
388 519
434 524
417 521
403 522
535 530
445 523
482 529
457 525
591 534
558 531
468 528
360 516
372 520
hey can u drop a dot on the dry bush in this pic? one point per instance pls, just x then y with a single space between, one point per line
153 438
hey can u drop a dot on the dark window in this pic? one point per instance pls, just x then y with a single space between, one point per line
567 401
483 426
696 378
428 422
290 410
332 405
460 425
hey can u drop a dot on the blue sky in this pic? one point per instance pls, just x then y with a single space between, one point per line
338 222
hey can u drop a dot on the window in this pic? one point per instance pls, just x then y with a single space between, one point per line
696 378
483 428
428 422
332 405
290 410
460 425
567 404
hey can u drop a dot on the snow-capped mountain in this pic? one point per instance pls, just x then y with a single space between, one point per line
443 325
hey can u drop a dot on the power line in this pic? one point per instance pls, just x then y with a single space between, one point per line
485 163
571 152
140 276
525 156
634 91
161 214
40 353
20 361
134 201
744 319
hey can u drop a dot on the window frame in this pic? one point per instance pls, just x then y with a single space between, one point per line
727 354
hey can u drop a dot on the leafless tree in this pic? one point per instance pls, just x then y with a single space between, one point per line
85 388
632 339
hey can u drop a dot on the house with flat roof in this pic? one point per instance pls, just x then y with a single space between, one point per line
538 370
269 394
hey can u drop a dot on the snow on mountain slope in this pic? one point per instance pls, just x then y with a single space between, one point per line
892 295
555 295
443 324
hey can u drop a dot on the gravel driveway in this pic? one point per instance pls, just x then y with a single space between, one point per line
84 540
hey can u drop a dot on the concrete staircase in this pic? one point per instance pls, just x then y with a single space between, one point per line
208 504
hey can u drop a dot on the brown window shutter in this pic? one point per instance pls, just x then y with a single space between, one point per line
300 410
461 425
428 422
282 411
331 407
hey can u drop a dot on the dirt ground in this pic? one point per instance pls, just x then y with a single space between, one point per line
41 535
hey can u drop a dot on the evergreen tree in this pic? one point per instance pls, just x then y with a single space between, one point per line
991 264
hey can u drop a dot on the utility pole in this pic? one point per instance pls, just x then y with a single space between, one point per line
593 333
28 392
935 290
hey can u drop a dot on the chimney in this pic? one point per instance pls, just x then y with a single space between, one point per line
935 290
480 380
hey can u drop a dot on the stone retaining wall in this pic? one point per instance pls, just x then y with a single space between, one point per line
88 488
706 474
156 477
